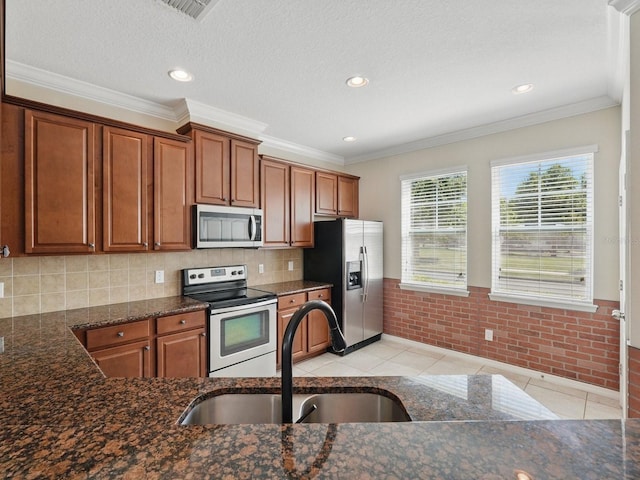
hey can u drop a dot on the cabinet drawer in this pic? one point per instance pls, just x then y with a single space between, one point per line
178 323
117 334
321 294
289 301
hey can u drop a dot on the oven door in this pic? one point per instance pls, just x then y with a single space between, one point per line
243 340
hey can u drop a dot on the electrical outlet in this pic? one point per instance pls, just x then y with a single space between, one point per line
159 276
1 289
488 335
291 265
261 268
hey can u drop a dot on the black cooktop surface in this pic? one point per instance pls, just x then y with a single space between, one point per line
233 297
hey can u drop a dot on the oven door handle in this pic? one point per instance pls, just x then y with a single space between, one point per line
245 306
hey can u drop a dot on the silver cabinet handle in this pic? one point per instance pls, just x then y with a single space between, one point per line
145 244
147 347
121 334
183 322
92 245
157 244
204 334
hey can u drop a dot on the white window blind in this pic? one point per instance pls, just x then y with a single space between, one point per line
434 229
542 219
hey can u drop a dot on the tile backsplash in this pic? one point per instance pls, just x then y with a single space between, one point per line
47 284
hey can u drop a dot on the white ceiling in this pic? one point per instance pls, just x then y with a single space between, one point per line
435 66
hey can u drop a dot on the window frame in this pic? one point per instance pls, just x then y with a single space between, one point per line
500 294
405 221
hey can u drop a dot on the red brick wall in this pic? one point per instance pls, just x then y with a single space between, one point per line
633 409
577 345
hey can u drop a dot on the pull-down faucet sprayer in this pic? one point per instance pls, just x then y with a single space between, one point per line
337 340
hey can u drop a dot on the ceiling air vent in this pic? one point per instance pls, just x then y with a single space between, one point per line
197 9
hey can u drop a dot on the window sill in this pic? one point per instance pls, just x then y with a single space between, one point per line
541 302
458 292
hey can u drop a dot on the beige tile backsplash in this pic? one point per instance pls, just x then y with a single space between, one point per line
47 284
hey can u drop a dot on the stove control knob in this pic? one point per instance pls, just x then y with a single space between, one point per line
201 275
234 273
192 276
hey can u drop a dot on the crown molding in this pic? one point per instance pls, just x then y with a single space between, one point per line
544 116
298 149
628 7
59 83
189 110
182 112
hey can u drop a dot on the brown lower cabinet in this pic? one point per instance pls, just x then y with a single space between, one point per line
170 346
312 336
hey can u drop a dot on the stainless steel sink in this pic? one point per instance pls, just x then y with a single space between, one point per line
352 408
238 408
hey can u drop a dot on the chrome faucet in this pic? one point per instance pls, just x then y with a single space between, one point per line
337 340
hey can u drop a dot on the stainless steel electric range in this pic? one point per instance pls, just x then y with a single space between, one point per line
242 321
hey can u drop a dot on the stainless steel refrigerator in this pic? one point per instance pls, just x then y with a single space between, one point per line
348 253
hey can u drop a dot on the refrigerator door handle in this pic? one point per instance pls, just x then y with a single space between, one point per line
365 274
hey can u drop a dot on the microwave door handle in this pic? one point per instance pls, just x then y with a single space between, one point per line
252 227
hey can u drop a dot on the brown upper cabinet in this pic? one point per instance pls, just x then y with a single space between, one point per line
172 191
336 195
226 167
126 186
60 198
287 194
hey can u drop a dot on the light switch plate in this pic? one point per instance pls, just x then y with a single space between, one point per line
159 276
1 289
261 268
488 335
291 265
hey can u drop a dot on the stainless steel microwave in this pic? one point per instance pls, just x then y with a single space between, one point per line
224 227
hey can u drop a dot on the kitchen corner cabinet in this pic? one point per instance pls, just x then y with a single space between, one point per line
176 348
336 195
312 336
122 350
60 198
126 187
287 199
172 194
226 167
181 345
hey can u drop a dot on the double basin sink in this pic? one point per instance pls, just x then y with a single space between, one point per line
242 408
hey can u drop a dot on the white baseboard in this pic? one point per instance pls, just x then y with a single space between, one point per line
555 379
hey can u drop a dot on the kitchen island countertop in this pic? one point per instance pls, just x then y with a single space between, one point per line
60 418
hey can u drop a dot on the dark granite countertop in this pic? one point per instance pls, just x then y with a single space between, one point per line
60 418
294 286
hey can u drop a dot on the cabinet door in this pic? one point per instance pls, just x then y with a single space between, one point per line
317 325
212 168
347 197
125 190
274 177
299 349
245 171
60 202
302 206
182 354
172 179
132 360
326 193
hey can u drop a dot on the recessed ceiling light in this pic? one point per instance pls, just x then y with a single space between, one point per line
349 139
180 75
357 81
524 88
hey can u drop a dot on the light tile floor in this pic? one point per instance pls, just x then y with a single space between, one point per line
394 357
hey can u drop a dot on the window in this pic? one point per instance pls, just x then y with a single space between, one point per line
434 230
542 224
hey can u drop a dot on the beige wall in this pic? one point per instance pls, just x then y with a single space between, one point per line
380 188
47 284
